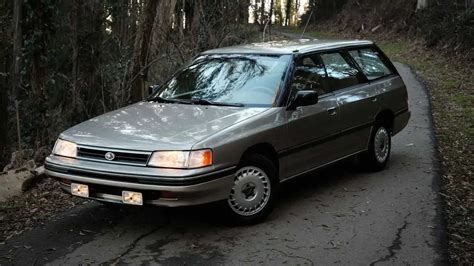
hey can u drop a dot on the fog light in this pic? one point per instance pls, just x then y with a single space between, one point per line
80 190
133 198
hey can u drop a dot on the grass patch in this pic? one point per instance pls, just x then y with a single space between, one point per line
309 33
393 48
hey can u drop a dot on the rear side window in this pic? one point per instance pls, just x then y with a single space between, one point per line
370 63
340 74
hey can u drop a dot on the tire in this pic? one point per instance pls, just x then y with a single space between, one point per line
254 191
380 145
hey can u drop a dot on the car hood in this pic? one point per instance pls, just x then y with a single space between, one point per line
150 126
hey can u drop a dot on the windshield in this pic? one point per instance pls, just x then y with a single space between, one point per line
250 80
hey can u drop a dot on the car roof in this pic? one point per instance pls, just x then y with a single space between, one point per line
288 47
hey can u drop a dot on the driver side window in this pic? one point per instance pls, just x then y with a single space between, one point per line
309 75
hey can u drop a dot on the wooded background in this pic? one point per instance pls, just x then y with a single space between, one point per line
437 21
62 62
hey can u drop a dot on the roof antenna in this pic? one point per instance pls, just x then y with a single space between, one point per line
307 22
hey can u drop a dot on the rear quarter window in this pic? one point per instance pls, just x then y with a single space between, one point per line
371 63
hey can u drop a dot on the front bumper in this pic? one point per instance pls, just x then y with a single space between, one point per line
161 187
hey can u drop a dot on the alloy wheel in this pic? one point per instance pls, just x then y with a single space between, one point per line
381 144
251 191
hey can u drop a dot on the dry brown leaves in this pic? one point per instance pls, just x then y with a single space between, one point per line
34 207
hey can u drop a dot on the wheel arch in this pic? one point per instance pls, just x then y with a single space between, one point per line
388 117
265 149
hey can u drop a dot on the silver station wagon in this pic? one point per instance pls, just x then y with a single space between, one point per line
237 122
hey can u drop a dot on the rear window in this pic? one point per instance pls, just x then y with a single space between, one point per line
371 63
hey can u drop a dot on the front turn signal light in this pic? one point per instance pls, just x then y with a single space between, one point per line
200 158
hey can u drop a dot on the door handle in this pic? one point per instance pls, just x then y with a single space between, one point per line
331 111
374 99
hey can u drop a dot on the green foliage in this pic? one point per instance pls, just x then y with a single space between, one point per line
38 24
447 22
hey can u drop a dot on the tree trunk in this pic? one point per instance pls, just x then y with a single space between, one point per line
138 70
278 13
188 15
469 4
92 73
4 116
262 14
295 12
38 81
288 13
244 11
134 14
164 19
119 15
201 24
270 13
180 17
74 17
17 58
17 45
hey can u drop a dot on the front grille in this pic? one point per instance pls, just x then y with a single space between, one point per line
122 157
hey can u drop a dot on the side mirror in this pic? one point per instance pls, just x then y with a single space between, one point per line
152 89
304 98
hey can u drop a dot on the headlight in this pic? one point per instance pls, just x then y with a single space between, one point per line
181 159
65 148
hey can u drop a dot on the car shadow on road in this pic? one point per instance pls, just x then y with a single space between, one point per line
85 223
291 192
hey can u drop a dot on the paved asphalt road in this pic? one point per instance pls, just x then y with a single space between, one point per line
338 215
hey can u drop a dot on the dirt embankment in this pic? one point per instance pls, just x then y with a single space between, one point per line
372 15
448 25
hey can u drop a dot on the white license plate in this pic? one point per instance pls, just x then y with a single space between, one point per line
80 190
132 198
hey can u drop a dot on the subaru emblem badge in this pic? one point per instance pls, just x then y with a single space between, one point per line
109 156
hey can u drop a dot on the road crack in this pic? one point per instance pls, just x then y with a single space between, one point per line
132 245
396 243
293 256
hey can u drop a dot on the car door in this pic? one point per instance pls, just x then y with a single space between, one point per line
310 127
356 100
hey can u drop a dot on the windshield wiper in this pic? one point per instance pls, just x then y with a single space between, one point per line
194 101
166 100
207 102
